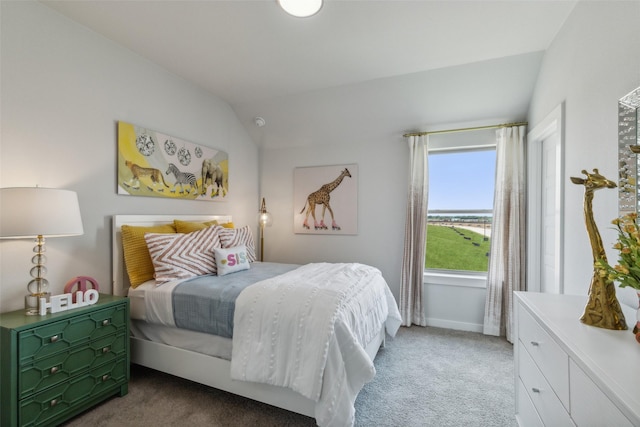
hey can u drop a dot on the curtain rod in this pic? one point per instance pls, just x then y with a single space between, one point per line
505 125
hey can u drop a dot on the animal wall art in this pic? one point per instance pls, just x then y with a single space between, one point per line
326 199
153 164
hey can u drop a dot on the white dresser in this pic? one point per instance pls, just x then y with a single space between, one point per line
571 374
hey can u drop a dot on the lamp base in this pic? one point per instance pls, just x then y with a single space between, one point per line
32 301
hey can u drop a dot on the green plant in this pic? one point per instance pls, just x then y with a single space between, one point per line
627 271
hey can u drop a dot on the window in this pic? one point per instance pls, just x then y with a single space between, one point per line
461 187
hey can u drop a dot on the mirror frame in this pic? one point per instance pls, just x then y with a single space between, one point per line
628 149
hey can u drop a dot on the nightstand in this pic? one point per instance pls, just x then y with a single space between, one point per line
56 366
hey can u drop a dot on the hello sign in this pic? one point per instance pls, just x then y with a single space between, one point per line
65 302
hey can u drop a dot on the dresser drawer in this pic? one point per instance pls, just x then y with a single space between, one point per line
589 405
48 371
544 398
526 413
57 336
546 354
54 402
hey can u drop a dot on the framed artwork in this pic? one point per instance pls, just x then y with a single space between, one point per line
153 164
326 199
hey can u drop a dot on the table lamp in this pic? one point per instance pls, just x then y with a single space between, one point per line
264 219
28 212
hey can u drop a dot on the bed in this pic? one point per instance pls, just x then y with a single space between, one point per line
343 364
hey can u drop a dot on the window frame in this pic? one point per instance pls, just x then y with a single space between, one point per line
466 278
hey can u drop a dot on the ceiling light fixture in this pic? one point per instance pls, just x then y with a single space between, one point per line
301 8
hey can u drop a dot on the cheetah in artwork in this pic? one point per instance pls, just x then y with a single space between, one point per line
138 171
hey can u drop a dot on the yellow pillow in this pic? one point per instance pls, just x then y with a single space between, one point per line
136 255
190 226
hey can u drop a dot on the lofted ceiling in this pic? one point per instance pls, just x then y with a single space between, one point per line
356 70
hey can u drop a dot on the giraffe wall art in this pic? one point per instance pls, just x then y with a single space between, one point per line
326 199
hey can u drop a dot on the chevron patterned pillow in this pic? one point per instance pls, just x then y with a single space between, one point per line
181 256
231 237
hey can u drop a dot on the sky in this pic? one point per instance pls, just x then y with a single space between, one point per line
463 180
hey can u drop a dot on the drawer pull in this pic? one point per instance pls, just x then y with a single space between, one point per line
535 389
105 377
106 350
535 343
105 322
54 402
55 369
55 338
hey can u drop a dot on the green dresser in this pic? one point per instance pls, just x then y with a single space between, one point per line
56 366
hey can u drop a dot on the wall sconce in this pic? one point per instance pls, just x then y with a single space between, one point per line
38 212
301 8
265 220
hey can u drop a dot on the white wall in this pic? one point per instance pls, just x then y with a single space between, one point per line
594 61
381 205
382 195
63 90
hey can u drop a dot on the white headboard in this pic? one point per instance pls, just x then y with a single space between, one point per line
120 278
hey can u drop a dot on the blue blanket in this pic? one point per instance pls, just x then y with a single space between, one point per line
207 303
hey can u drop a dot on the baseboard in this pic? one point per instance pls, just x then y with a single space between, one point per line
451 324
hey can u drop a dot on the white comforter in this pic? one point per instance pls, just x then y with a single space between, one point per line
307 329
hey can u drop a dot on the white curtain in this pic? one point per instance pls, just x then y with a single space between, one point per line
507 261
415 234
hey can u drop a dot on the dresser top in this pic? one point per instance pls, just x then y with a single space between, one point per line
19 318
611 358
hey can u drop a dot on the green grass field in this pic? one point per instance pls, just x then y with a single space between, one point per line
449 250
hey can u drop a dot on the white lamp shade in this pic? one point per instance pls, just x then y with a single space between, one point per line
32 211
301 8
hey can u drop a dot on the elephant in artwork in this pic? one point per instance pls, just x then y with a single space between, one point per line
212 175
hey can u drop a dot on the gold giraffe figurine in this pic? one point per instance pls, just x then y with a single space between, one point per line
603 309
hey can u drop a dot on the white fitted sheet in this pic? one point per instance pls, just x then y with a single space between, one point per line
137 308
145 306
211 345
156 301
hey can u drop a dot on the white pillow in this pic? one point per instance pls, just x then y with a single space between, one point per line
181 256
230 260
232 237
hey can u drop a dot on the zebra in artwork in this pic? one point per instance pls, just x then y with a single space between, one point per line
183 178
